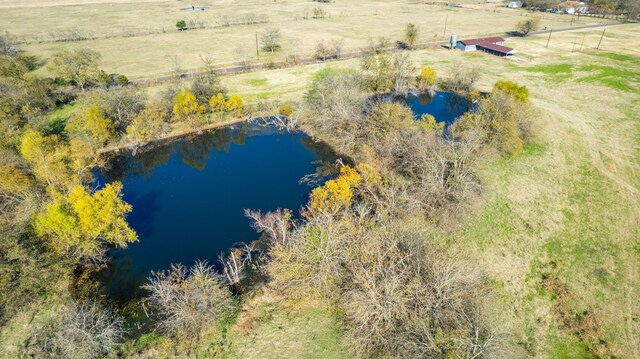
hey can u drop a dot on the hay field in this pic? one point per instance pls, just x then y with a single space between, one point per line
139 38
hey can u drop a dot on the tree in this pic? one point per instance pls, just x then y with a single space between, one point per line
336 193
427 79
524 27
520 93
325 51
285 110
378 70
187 301
335 102
271 40
411 34
218 103
403 74
430 126
498 120
122 80
50 159
76 66
82 223
8 45
234 105
206 85
90 126
181 25
319 12
462 79
149 124
120 105
187 109
88 331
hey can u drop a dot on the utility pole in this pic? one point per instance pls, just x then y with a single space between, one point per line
257 48
444 33
549 38
601 36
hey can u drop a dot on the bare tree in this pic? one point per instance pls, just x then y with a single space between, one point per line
187 301
275 224
271 40
335 106
462 79
8 45
233 265
207 62
88 331
403 70
242 55
319 12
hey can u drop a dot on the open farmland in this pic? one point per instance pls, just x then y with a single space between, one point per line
559 234
139 38
532 252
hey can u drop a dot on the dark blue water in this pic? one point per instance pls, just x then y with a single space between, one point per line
444 106
188 196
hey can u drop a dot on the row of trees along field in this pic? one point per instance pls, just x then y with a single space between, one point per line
358 246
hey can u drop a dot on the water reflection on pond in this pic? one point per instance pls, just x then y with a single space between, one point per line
188 196
444 106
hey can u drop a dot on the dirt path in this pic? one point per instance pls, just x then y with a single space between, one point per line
344 56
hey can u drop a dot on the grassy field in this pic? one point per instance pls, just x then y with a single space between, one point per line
558 230
139 37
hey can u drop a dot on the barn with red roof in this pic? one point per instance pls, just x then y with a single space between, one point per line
492 45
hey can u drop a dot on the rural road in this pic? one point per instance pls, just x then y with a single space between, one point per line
350 55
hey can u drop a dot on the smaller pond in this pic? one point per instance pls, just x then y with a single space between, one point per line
444 106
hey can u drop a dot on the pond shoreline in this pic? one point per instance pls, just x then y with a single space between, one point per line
172 135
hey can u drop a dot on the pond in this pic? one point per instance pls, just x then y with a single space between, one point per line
188 196
444 106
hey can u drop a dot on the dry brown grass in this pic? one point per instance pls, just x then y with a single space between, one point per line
139 38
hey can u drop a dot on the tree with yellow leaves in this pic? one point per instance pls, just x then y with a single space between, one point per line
187 109
50 159
218 103
520 93
336 193
147 125
430 126
90 126
427 79
235 105
82 223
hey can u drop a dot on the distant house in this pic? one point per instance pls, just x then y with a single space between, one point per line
514 4
573 7
492 45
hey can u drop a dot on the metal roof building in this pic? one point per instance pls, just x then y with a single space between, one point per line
492 45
